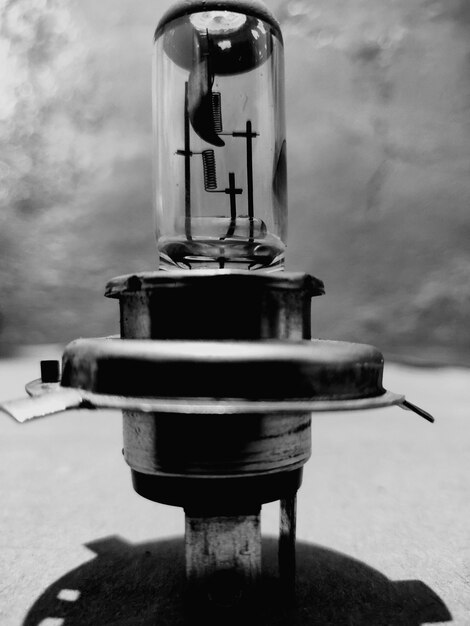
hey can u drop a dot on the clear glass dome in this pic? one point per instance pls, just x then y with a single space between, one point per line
219 134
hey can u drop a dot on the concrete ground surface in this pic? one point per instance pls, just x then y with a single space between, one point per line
383 518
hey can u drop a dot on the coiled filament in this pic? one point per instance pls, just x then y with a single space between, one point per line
210 175
217 111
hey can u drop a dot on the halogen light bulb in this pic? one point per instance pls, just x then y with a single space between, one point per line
219 134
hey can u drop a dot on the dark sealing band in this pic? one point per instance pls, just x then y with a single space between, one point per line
217 496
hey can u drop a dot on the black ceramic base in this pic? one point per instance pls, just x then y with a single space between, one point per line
217 495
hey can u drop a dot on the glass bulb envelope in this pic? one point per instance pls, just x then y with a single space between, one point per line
219 135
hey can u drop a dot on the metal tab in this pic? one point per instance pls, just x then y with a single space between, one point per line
26 409
213 378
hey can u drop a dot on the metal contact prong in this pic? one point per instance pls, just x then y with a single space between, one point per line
287 538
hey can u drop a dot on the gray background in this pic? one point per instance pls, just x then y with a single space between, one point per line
378 123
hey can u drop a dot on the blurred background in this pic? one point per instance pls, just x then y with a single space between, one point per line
378 128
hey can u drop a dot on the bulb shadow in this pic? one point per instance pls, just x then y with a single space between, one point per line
144 584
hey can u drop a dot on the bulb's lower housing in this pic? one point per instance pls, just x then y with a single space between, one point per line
219 468
213 463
